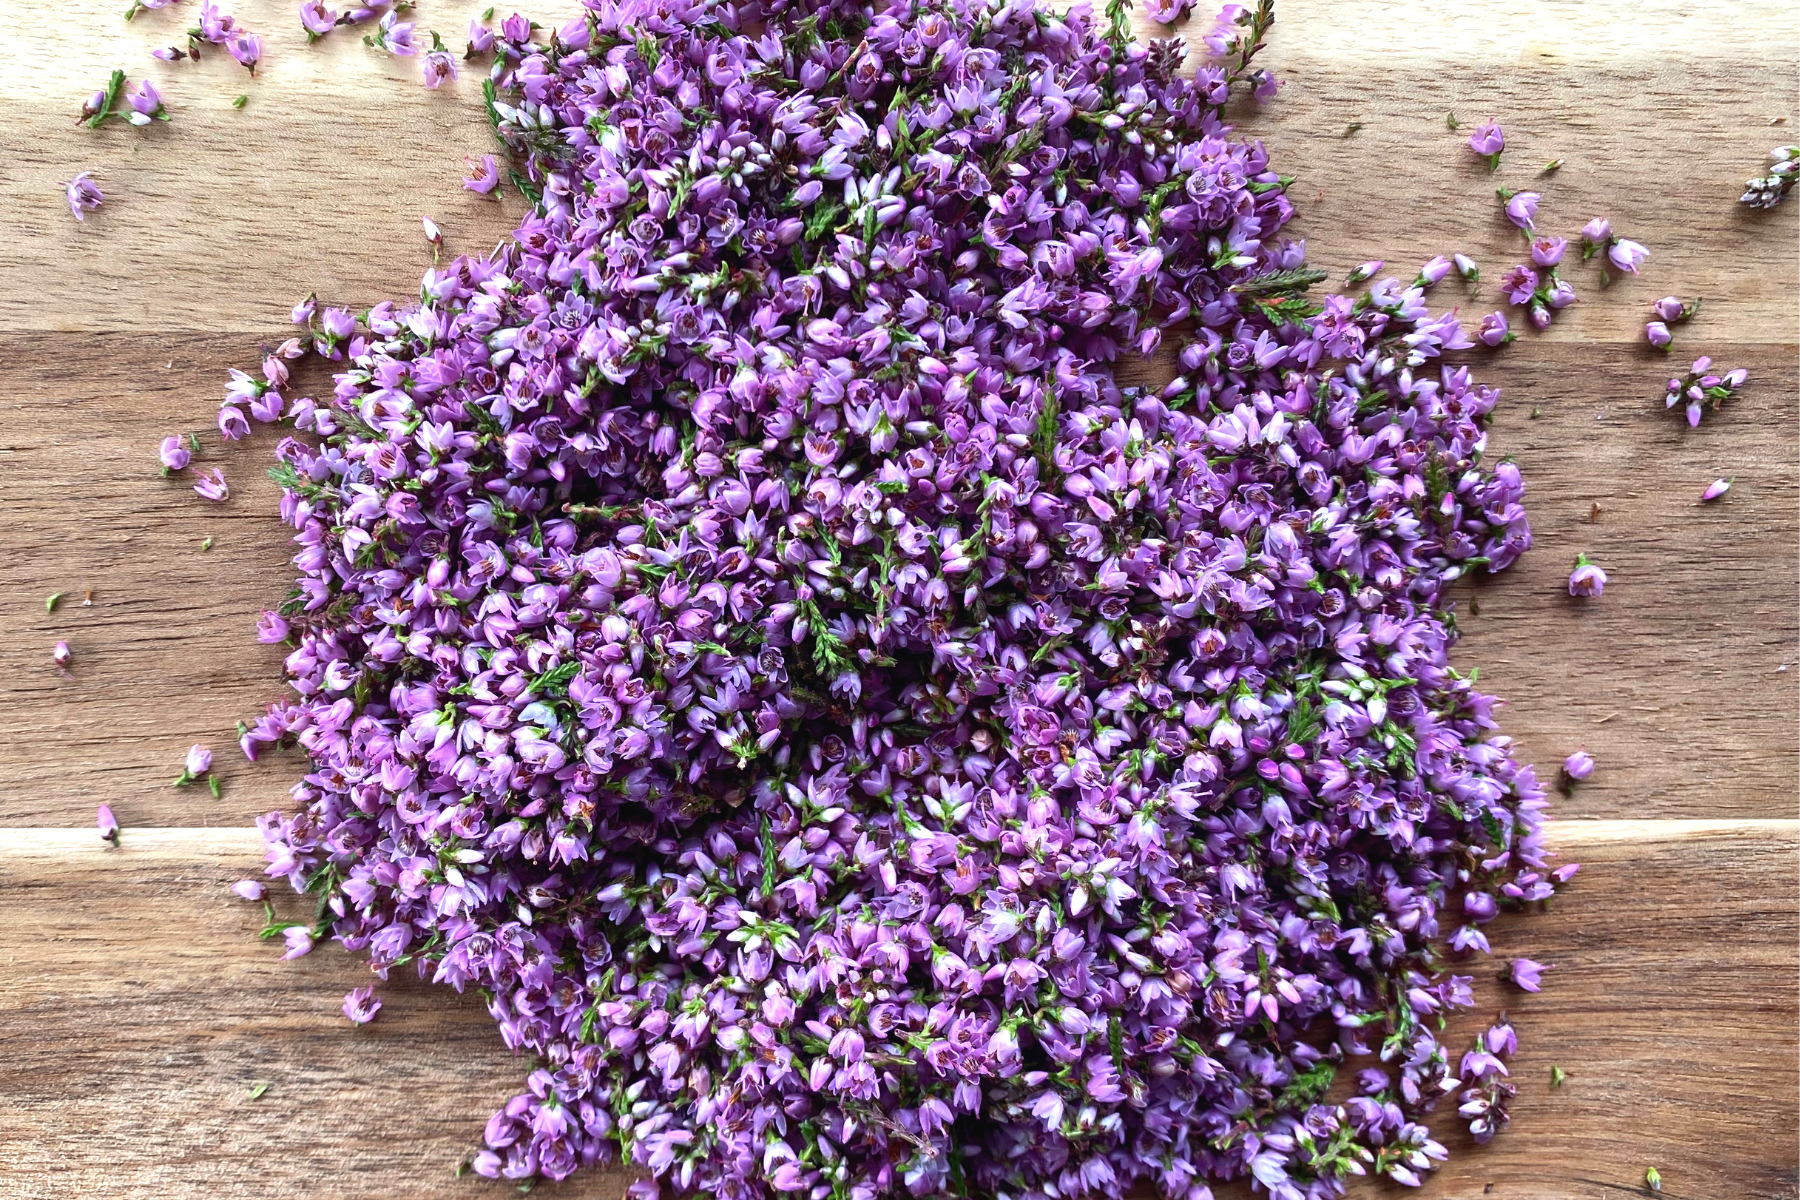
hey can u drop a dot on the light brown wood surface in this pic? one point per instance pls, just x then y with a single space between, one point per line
137 1008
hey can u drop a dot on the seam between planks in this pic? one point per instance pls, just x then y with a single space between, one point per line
194 843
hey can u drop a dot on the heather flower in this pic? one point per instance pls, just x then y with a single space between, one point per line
246 48
109 825
1671 308
1714 490
146 104
484 178
249 889
1626 255
438 67
1586 579
1559 293
215 26
1596 235
481 38
1433 272
199 761
1521 207
60 654
1527 974
1539 314
1547 251
317 19
299 941
1658 334
84 196
1488 141
1465 266
361 1005
212 485
1362 272
1519 284
174 453
1494 331
1579 765
169 53
394 35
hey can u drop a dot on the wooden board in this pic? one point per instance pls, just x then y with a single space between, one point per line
137 1009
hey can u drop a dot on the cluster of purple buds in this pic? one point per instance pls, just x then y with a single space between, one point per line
1597 237
143 104
1702 387
1487 1092
1537 287
1670 310
318 18
220 28
1768 190
855 743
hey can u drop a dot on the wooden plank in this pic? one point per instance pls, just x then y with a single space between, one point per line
137 1010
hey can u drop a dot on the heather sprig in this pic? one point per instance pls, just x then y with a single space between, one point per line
1769 189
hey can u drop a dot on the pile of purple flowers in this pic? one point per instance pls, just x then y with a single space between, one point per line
856 743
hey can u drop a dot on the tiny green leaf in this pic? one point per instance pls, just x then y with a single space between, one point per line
1552 165
240 102
1354 126
206 543
1557 1075
1653 1177
1451 123
50 604
257 1090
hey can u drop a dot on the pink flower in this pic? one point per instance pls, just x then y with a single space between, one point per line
317 19
199 760
212 486
60 654
246 48
1528 974
1521 208
1714 490
84 196
299 941
249 889
109 826
1658 335
361 1005
1579 765
174 453
1519 284
1488 140
1586 580
1494 331
1547 251
438 67
485 178
1627 255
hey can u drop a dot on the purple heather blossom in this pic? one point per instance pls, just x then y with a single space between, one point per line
146 104
1560 294
786 666
299 941
60 654
215 26
174 453
199 760
438 68
1547 251
1657 333
1626 255
1466 267
246 48
250 889
1433 272
108 824
1519 284
212 485
169 53
84 196
317 19
1714 490
1494 330
1586 579
481 38
1527 974
1702 387
1521 208
1671 308
396 36
1539 314
361 1005
1362 272
1579 765
484 178
1488 141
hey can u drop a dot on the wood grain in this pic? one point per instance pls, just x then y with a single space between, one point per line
137 1009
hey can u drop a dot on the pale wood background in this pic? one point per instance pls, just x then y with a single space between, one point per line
137 1010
